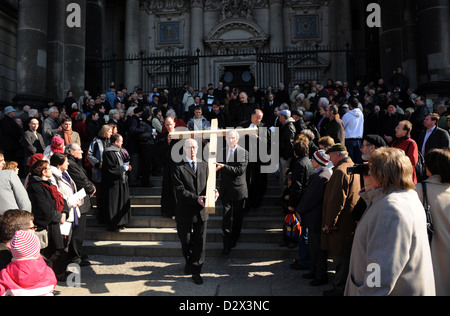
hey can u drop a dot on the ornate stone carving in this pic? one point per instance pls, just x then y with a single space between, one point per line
238 32
165 6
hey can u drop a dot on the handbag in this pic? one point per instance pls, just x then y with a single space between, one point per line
426 205
43 238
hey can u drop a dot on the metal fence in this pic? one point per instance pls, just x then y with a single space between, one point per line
290 66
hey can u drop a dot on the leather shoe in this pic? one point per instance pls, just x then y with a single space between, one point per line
197 279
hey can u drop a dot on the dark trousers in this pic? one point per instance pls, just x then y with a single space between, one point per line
193 239
233 217
354 150
135 164
341 265
76 243
319 258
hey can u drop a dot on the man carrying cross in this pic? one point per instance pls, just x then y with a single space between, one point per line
189 180
233 189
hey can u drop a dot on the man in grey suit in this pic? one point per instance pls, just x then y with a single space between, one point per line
233 189
33 142
189 179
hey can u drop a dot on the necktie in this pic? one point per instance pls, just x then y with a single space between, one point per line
194 166
230 153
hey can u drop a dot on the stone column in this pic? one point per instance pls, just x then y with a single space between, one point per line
343 18
433 55
75 53
391 50
31 52
132 44
276 31
55 49
95 13
197 38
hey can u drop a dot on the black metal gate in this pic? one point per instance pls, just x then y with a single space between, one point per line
291 66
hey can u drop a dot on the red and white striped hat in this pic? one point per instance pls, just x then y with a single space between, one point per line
321 157
25 245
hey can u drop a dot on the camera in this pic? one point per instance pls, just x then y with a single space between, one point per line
363 170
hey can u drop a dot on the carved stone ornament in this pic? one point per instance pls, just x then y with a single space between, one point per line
238 32
235 8
166 7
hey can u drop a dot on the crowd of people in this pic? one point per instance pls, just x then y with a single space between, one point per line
103 145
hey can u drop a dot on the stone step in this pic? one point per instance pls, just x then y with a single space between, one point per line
260 222
156 200
173 249
170 234
156 191
155 210
272 180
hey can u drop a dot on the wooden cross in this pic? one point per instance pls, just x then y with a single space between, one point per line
213 133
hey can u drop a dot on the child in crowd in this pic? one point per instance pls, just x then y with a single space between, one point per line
27 274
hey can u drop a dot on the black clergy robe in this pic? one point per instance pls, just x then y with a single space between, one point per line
116 212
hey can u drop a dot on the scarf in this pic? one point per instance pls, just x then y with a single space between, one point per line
67 137
59 200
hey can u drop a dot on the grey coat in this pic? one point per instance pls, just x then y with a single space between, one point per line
390 254
13 195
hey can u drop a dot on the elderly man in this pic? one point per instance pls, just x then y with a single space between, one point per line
79 176
52 126
33 142
189 180
338 226
233 189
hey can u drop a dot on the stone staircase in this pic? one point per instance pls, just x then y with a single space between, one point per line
153 235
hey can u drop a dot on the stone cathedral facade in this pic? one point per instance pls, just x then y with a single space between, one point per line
41 57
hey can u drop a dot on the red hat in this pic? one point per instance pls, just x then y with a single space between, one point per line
25 245
57 145
35 158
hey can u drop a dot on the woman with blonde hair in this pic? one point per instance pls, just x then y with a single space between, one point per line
390 252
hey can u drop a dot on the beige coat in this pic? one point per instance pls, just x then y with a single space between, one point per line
439 200
390 254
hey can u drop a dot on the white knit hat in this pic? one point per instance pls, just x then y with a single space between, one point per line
25 245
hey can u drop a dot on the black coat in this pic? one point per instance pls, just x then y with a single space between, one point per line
188 187
44 210
233 184
311 204
79 176
302 170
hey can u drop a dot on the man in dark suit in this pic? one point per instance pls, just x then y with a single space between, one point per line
233 189
256 180
189 180
433 136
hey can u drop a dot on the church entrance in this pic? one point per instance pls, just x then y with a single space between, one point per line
238 77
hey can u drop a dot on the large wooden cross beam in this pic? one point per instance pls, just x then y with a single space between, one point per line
213 134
